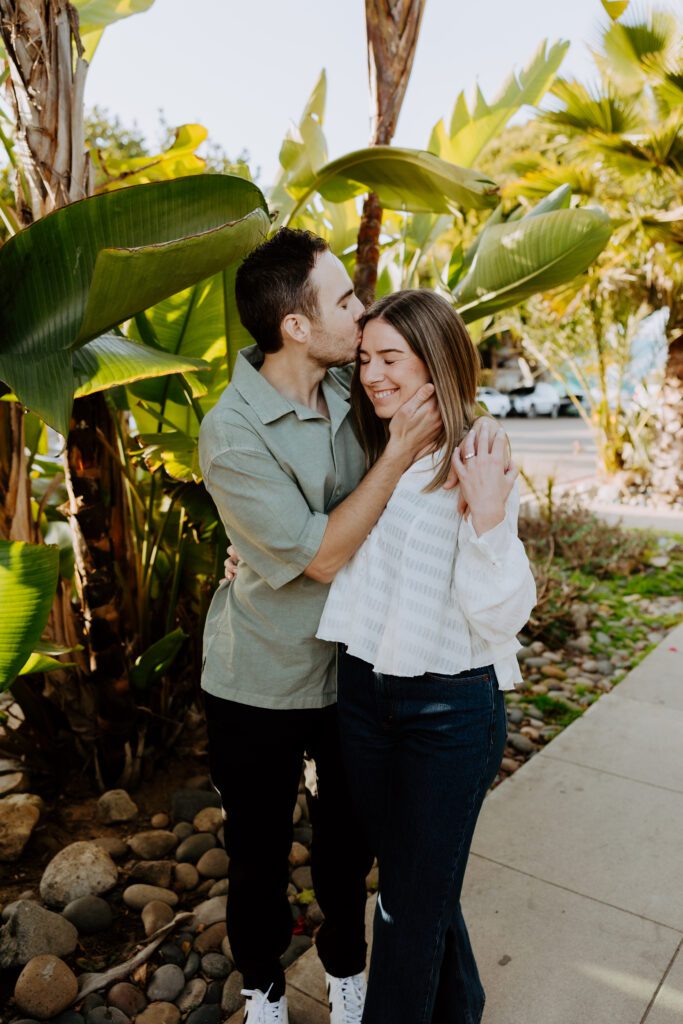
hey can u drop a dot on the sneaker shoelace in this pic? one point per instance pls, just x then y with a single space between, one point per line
353 1001
260 1001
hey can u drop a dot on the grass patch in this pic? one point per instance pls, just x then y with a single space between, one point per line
555 711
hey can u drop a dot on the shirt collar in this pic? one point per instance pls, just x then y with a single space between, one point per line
267 402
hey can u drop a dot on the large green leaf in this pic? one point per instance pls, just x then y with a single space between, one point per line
28 579
110 360
404 179
80 271
470 130
516 260
157 659
302 154
95 15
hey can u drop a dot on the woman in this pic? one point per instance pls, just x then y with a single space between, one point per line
426 614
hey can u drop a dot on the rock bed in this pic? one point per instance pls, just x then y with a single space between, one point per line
172 877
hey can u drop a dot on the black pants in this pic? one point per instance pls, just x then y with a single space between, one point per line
255 757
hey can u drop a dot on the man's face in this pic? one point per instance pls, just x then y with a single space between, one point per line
335 335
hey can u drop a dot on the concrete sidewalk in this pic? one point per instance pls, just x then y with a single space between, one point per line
574 890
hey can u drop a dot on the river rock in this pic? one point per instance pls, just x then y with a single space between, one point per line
210 911
168 981
171 953
115 847
215 965
160 820
209 819
192 848
232 998
30 930
138 896
156 915
192 995
89 914
219 888
208 1014
159 1013
68 1017
45 987
107 1015
298 855
182 830
17 821
80 869
302 878
211 938
186 876
522 744
116 805
213 864
192 964
153 844
153 872
127 998
187 803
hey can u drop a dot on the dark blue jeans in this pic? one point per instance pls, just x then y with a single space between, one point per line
420 754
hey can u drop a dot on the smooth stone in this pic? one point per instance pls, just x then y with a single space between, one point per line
219 888
168 981
155 916
211 911
515 715
160 820
17 822
231 997
192 965
298 855
298 946
536 662
89 914
297 814
170 953
314 915
80 869
30 930
159 1013
226 950
214 991
604 667
115 847
192 848
209 1014
302 878
127 997
115 805
153 872
209 819
186 876
210 939
14 782
153 844
213 864
182 830
91 1001
206 886
192 995
553 672
138 896
68 1017
107 1015
215 965
187 803
45 987
520 743
303 834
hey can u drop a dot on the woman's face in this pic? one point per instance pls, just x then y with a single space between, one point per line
390 372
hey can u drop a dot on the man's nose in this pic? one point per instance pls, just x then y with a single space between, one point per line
360 309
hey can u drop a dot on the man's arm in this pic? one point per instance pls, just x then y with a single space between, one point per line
413 428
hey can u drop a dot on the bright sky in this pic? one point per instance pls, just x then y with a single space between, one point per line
245 69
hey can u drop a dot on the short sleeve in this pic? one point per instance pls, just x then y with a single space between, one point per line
265 514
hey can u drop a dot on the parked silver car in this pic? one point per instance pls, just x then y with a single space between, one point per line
495 401
540 400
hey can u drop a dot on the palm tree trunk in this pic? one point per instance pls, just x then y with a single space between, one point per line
393 27
667 450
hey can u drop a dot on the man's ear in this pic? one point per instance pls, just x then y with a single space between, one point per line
297 327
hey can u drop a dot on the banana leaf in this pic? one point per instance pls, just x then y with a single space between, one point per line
177 161
111 360
80 271
515 260
95 15
28 579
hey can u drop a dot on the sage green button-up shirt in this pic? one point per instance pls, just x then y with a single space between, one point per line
275 469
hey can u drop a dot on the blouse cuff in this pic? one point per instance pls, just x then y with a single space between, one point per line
494 544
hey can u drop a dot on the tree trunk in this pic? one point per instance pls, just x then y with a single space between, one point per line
16 519
393 27
667 449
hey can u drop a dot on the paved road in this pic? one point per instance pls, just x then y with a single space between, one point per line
543 447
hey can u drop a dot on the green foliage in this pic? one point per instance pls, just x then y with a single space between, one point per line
28 579
556 712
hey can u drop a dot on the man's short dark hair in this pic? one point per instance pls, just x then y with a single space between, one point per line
274 280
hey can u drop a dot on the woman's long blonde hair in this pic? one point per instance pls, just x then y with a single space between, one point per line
438 336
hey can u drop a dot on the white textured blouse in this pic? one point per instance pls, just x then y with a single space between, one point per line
423 593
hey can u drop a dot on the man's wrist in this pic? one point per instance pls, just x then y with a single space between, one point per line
398 455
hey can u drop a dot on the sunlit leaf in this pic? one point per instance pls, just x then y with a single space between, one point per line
28 580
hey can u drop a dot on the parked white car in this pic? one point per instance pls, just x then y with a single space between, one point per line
496 402
540 400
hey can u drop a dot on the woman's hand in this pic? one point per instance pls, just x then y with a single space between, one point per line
471 443
486 476
231 565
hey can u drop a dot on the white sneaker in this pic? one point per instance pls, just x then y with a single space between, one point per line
257 1009
346 997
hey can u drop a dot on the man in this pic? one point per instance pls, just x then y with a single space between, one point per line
287 474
